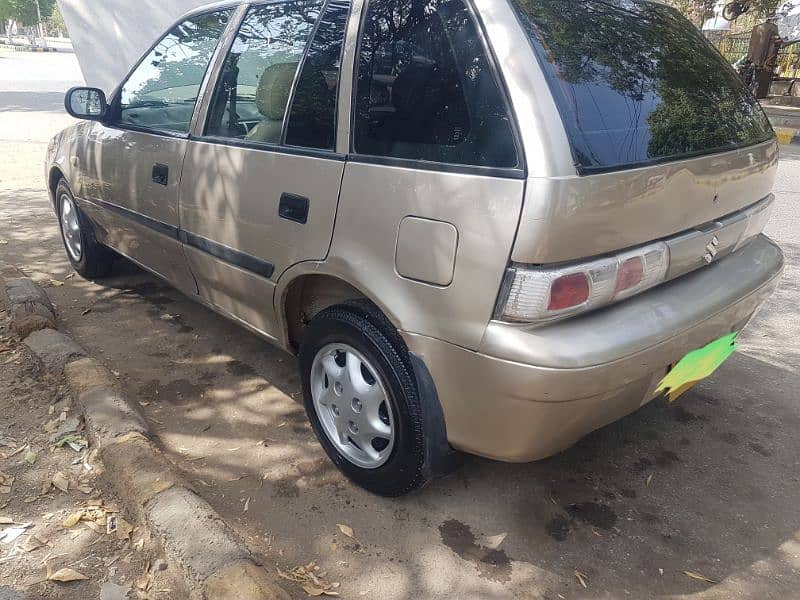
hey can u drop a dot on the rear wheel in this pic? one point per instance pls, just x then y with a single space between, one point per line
88 257
362 399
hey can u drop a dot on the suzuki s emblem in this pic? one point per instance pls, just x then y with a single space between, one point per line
711 250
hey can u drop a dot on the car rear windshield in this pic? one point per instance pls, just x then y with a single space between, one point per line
637 83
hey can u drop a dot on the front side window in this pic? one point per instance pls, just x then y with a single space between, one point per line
162 91
256 80
425 88
635 83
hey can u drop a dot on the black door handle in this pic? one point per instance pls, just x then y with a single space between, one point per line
293 208
160 174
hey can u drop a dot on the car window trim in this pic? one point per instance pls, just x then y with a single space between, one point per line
116 95
302 63
301 67
519 172
209 85
441 167
219 140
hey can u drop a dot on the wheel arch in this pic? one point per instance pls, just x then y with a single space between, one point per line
308 289
53 177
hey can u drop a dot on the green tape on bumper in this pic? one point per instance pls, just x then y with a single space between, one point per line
696 366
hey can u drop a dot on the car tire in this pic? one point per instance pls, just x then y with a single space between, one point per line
380 368
88 257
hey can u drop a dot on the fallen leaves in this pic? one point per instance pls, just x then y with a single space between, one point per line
60 481
311 579
30 457
73 519
6 483
493 542
66 575
698 576
346 530
32 543
582 579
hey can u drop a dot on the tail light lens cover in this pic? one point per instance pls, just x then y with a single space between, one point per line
534 294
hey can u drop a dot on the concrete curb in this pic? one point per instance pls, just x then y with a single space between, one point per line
214 562
28 305
30 48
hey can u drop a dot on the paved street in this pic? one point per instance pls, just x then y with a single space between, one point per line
710 485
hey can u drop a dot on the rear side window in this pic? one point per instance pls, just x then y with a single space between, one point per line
636 83
162 90
425 88
312 120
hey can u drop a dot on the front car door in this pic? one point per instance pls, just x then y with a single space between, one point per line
134 158
261 177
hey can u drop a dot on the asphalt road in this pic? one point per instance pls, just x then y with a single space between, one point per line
709 485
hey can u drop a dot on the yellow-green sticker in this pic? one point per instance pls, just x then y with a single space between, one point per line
696 366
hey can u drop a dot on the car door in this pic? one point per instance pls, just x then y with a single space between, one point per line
134 157
261 177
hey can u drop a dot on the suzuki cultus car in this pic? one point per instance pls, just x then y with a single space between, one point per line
483 226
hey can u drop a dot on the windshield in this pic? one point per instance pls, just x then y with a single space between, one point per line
636 83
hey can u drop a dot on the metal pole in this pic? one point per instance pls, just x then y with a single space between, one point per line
40 26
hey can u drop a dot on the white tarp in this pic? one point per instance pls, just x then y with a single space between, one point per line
110 36
789 21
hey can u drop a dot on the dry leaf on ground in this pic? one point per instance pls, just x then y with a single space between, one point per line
60 481
312 583
124 529
6 483
32 543
346 529
73 519
696 575
493 542
582 579
65 575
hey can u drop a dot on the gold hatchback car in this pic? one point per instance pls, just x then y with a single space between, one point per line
487 226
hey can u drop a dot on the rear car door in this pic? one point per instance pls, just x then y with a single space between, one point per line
261 177
134 158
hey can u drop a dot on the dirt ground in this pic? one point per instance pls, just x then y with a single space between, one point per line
698 499
46 485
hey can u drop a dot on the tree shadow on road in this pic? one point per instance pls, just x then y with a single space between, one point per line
707 485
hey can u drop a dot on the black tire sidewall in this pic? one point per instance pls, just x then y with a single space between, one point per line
96 260
61 190
404 471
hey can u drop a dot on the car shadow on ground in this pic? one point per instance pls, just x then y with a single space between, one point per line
706 485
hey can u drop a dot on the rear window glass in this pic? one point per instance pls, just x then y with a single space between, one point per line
637 83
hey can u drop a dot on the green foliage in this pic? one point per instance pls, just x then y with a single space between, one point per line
24 11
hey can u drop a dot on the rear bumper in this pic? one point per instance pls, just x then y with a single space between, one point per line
531 392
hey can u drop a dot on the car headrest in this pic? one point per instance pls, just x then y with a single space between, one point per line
274 88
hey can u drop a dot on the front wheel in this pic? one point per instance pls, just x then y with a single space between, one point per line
87 256
362 399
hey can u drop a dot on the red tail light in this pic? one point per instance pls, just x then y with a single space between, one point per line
629 274
568 291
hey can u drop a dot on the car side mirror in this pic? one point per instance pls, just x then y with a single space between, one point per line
86 103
